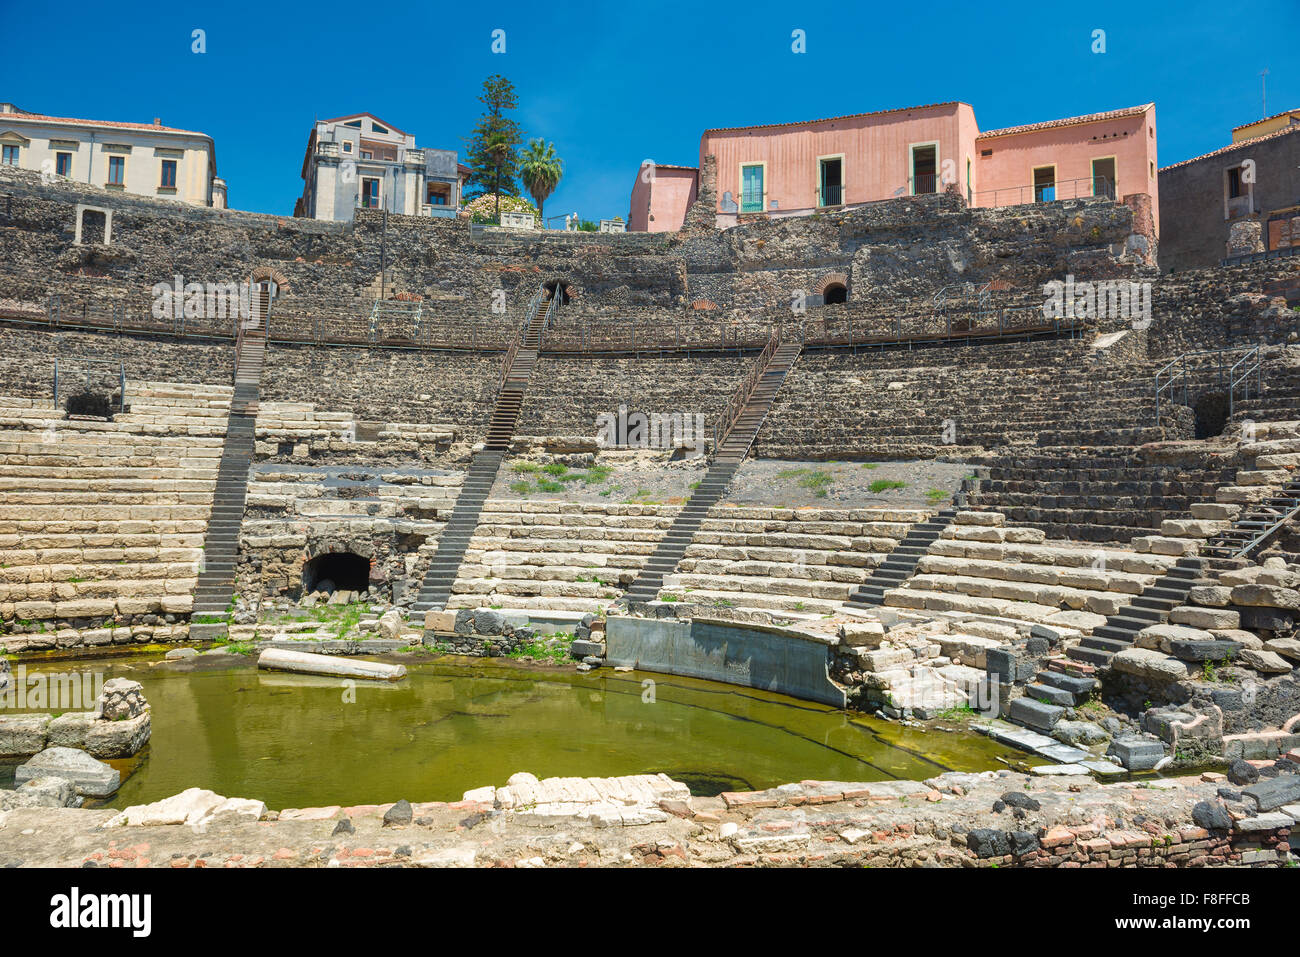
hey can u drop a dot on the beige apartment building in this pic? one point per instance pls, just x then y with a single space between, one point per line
143 159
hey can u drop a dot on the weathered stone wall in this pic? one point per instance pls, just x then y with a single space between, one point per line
387 385
897 248
27 359
909 248
1214 308
565 396
1195 232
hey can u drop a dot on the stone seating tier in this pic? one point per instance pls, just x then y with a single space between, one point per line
102 522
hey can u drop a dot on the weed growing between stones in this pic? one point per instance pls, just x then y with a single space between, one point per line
815 480
553 477
885 485
555 649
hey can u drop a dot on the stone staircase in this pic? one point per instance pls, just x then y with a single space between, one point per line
756 398
1150 608
681 533
216 583
740 436
436 589
902 561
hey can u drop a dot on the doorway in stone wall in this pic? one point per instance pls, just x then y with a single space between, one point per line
555 286
1211 411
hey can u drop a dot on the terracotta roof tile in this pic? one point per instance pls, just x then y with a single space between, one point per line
1244 144
828 119
1067 121
1266 119
107 124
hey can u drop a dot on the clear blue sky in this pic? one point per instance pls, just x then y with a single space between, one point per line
614 83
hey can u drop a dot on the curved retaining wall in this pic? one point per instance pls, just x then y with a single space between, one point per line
754 656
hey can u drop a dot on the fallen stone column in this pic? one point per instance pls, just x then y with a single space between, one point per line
304 663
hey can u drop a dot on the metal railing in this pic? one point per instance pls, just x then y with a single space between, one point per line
830 195
521 333
1262 537
924 184
259 319
552 308
109 316
1177 375
968 315
405 315
1085 187
740 398
1264 256
966 294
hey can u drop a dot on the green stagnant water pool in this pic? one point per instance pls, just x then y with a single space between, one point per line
455 724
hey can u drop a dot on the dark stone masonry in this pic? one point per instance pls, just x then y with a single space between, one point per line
1115 561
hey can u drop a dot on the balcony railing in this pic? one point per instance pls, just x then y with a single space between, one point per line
1085 187
924 183
830 196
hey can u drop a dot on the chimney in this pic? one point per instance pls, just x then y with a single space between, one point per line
8 108
157 121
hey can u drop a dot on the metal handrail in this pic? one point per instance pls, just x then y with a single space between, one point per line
1257 367
1179 373
456 328
968 290
258 317
740 398
517 340
1269 532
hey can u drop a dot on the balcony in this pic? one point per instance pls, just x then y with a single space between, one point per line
830 196
924 183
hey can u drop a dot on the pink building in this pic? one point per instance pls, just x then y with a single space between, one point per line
792 169
661 196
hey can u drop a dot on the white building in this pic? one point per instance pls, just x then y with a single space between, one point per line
144 159
362 162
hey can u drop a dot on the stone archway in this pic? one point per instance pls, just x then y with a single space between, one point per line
278 280
94 226
833 288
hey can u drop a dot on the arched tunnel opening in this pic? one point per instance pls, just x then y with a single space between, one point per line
552 287
336 571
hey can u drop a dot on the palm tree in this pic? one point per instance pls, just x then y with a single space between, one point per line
541 170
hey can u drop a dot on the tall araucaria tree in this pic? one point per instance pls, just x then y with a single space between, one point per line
493 150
